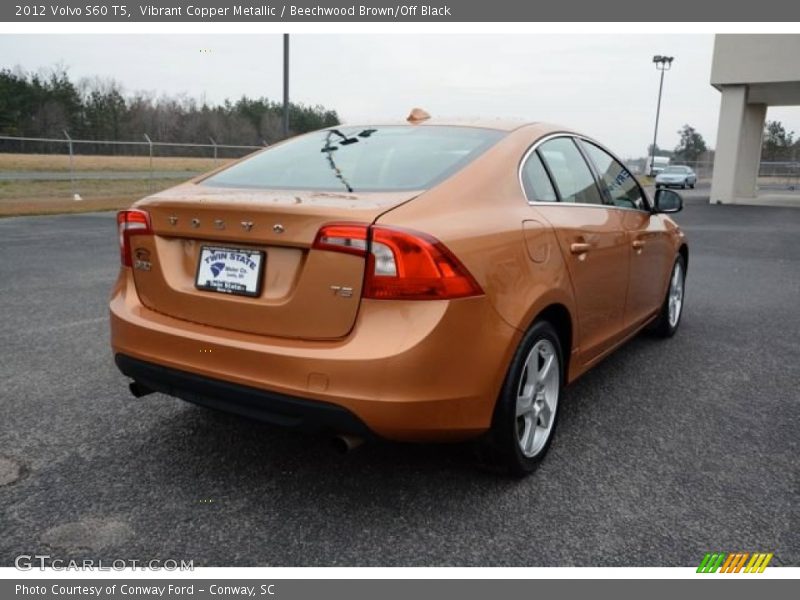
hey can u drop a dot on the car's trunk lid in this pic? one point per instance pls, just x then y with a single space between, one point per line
304 293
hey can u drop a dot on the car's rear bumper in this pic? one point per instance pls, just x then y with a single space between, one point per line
424 370
254 403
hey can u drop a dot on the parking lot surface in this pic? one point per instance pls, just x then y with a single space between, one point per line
665 451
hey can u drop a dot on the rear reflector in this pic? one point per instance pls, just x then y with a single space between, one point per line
131 222
401 264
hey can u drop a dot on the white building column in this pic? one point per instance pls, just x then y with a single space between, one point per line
738 153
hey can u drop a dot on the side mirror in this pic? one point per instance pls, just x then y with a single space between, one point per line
668 201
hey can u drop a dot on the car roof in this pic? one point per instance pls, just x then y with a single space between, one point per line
498 124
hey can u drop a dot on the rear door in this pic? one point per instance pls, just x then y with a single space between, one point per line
590 236
647 238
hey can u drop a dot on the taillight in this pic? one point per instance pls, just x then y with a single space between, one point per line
343 237
401 264
410 265
131 222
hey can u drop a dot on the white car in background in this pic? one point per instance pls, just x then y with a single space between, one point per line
676 175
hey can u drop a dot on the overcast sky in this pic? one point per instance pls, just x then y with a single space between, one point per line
603 85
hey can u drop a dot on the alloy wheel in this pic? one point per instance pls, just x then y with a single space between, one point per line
675 302
537 397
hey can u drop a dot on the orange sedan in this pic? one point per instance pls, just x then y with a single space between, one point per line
422 281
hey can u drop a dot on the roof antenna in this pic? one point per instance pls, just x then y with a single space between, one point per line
417 115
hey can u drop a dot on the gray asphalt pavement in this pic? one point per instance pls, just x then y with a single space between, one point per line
665 451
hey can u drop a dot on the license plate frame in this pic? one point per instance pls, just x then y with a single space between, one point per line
227 285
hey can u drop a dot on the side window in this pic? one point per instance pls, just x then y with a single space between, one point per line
619 183
537 183
572 176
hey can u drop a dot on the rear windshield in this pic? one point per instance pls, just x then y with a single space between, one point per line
359 159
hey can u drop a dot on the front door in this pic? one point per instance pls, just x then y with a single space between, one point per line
645 233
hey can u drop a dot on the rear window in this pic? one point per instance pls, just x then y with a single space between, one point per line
361 159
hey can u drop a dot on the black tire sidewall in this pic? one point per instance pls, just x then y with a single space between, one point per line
663 326
504 425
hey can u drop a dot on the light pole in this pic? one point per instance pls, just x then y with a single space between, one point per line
285 85
663 63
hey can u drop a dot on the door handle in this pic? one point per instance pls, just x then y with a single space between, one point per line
580 247
637 244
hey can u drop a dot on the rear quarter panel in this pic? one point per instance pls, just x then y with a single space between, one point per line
481 214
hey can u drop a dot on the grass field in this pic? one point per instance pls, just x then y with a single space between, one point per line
48 197
60 162
37 196
33 197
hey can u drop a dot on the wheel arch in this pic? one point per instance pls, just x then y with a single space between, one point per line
684 252
559 316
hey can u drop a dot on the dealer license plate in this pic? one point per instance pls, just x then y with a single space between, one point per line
230 270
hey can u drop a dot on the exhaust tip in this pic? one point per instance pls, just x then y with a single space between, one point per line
344 443
138 390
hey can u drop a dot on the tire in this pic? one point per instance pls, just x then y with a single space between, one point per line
683 185
666 324
503 446
691 186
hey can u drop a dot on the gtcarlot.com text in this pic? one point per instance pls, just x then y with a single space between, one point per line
28 562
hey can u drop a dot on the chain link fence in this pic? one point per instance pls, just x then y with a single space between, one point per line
772 175
39 173
779 175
